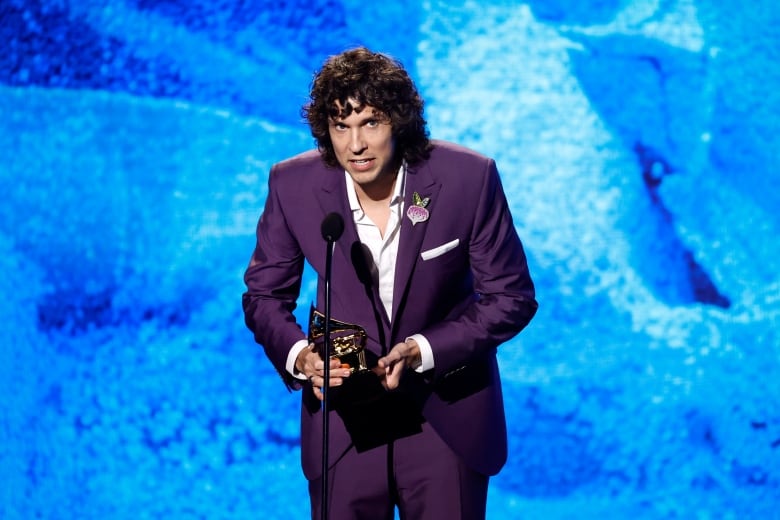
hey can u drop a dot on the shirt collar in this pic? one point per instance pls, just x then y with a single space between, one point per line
397 198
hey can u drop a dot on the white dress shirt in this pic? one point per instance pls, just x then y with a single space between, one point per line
384 250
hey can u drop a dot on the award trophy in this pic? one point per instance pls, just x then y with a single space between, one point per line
347 341
371 415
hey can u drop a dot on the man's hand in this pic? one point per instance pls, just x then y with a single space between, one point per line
402 356
311 365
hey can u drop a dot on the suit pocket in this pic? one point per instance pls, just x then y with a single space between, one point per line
466 380
440 250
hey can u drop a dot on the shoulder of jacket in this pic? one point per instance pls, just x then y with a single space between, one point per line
302 169
449 150
307 159
460 168
457 158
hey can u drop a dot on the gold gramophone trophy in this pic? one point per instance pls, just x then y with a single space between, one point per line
347 341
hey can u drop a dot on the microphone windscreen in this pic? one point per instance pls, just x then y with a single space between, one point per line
332 227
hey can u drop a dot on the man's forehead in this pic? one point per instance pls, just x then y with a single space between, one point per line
352 104
353 107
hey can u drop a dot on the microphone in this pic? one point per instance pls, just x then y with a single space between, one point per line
332 227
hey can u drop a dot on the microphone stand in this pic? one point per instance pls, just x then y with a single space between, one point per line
332 228
326 384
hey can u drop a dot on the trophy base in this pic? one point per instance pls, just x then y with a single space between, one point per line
372 415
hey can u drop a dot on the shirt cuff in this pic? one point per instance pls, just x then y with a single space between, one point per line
293 355
426 354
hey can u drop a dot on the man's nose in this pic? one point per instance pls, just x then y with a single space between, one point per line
356 142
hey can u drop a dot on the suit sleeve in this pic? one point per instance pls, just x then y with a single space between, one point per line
273 282
504 301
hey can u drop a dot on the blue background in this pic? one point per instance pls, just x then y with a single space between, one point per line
637 141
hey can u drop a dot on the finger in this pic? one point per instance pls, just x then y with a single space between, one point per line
314 387
336 378
396 369
388 360
393 375
396 354
392 381
337 372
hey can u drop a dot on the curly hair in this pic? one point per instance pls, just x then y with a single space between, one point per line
371 79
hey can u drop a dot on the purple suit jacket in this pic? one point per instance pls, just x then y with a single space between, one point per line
466 301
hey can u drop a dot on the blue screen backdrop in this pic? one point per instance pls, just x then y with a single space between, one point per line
637 141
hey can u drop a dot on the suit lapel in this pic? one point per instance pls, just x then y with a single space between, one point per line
419 179
351 264
332 197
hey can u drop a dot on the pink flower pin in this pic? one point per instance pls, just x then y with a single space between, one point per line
417 212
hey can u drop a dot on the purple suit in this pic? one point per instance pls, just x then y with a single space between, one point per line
466 300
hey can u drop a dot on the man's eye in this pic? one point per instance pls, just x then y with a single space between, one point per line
372 123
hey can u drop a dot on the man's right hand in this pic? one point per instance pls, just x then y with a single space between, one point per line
311 365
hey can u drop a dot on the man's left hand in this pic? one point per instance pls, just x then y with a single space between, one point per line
401 356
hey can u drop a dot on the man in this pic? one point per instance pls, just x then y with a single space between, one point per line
429 264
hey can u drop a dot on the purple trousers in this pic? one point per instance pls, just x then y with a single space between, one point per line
418 474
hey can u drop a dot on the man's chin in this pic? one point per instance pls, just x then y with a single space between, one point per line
362 178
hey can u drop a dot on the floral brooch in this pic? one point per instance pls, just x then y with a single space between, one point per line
417 212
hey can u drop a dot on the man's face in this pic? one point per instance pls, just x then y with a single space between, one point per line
365 148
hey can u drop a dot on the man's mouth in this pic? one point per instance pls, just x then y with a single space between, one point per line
362 165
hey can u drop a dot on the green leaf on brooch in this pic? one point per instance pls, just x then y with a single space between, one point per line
419 201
